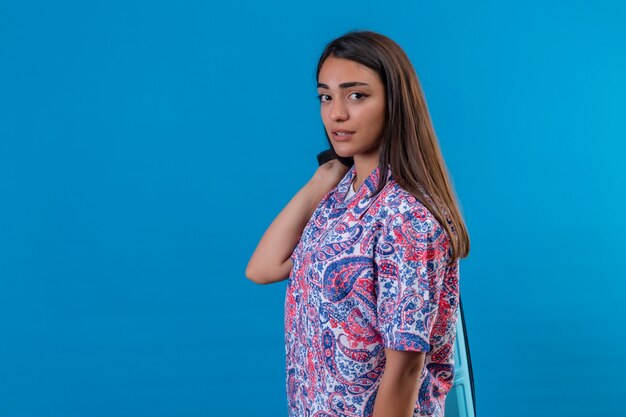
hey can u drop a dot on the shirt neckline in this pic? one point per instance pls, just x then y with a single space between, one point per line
365 191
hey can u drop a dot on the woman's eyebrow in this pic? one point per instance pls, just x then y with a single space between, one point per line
343 85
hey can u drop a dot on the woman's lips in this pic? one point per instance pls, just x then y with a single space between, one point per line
342 135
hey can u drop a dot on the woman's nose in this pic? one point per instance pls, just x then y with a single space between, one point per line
338 111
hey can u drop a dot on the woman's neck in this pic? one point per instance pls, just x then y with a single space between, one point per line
364 165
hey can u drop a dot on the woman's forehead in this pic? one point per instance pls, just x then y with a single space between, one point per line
335 71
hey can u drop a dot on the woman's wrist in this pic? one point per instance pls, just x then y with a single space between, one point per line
315 192
317 187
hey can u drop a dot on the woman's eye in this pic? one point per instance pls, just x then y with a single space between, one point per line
358 96
324 97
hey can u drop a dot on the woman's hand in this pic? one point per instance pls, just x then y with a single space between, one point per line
327 176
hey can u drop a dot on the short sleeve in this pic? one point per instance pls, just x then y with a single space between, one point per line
410 262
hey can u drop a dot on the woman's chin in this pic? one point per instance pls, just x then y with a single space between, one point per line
342 152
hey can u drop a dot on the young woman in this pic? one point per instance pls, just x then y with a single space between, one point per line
372 251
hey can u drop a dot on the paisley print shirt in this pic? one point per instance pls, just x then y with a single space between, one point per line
369 273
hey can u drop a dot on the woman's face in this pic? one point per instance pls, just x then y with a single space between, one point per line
352 105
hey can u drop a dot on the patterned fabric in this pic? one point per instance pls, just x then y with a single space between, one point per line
368 273
351 191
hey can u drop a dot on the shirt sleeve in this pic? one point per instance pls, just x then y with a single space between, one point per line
410 262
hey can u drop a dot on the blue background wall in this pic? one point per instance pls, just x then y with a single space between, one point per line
146 146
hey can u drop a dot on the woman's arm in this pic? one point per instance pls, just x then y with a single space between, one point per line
397 392
270 261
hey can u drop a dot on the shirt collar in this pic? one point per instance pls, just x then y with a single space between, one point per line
366 190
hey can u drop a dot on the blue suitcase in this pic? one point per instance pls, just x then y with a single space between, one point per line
461 400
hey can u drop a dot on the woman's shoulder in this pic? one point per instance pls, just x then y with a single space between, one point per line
399 201
408 222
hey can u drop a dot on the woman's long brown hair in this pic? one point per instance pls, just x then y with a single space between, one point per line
409 144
